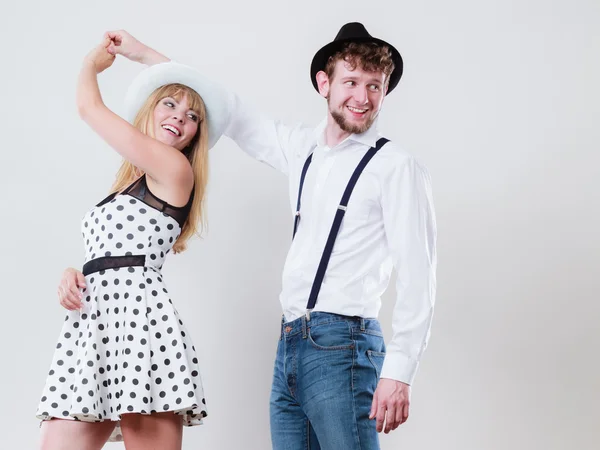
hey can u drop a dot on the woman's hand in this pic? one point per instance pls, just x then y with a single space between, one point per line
122 43
69 295
100 56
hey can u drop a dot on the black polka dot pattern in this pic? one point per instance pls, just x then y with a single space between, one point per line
127 350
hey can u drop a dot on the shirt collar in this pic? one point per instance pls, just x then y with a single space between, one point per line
368 138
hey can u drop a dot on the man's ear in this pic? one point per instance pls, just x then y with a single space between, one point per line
323 83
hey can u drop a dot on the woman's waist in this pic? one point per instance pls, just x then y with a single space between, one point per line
131 261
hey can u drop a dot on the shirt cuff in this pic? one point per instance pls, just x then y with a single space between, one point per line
399 367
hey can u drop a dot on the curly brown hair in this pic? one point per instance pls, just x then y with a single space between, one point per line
369 56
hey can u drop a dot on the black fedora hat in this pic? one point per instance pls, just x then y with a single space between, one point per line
354 32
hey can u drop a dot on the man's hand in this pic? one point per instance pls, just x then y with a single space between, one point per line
122 43
390 404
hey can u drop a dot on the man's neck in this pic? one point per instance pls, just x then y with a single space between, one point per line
333 133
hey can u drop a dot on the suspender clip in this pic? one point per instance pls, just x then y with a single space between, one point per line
342 207
308 311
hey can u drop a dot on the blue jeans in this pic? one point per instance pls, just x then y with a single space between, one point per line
326 372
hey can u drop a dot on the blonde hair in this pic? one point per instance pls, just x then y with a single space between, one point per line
196 152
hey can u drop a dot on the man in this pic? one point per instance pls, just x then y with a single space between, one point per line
362 205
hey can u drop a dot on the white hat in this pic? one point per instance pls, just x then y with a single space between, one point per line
214 96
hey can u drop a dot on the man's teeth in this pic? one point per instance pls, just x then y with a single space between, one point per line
171 129
357 110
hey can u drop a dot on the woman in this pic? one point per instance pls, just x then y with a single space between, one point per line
125 366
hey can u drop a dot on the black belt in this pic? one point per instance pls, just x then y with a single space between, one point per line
113 262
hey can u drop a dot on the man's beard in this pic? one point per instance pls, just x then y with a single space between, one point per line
348 126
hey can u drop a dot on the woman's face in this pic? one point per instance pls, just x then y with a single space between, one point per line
175 124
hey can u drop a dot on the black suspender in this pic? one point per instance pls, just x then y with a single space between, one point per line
304 170
337 221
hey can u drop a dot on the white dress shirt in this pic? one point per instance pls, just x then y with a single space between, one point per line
389 222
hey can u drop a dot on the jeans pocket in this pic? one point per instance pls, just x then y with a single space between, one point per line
376 359
331 336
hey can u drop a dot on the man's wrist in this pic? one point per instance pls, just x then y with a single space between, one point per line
151 57
397 381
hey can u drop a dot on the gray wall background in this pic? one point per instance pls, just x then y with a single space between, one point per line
499 99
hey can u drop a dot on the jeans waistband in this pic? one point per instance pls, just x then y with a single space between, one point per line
301 324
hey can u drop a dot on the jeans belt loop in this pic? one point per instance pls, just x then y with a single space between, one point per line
303 327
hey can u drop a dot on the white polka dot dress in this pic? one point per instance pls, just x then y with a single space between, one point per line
127 350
